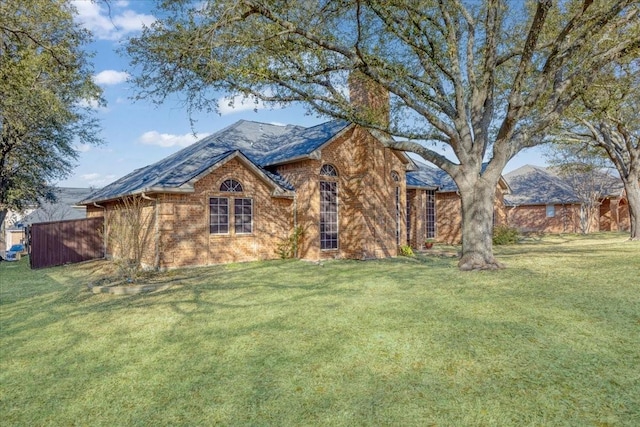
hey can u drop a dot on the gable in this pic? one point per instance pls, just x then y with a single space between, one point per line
279 186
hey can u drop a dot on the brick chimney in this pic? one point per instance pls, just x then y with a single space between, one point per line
369 98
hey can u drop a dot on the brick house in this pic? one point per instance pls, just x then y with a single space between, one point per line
542 201
239 193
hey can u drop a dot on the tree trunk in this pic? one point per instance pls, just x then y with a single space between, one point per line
3 215
632 187
477 225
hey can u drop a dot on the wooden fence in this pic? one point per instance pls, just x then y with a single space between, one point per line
64 242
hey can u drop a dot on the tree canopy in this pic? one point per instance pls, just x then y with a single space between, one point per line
606 118
484 78
46 98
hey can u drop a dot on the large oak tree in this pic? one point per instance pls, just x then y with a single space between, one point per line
484 78
46 91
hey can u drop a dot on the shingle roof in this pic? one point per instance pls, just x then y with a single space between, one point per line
64 208
533 185
262 144
430 177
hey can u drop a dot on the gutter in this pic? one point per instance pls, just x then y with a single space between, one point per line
142 192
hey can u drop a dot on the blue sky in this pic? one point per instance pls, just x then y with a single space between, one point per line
140 133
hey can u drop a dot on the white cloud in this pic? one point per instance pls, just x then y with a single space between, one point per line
82 148
169 140
110 77
110 23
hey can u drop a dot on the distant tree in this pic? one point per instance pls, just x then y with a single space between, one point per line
46 97
484 78
606 119
585 172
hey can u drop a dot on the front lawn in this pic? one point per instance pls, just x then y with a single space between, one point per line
552 340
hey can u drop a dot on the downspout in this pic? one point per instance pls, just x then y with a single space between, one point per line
295 221
104 228
156 230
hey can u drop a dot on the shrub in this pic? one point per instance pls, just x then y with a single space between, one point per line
405 250
288 248
505 235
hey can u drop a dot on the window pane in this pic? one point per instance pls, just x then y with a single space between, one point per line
243 215
328 170
231 185
551 211
328 215
397 215
431 214
219 215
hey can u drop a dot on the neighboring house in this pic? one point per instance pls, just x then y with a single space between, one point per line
65 207
542 201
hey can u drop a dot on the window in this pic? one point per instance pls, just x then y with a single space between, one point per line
397 215
328 215
551 211
408 221
231 186
328 170
219 215
396 178
430 213
328 209
243 216
219 211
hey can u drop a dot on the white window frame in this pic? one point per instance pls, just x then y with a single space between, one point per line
236 214
218 216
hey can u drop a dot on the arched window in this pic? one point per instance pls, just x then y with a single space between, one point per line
328 170
231 186
223 209
395 176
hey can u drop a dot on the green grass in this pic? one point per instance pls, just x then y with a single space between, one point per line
552 340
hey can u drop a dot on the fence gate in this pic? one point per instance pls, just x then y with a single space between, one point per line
63 242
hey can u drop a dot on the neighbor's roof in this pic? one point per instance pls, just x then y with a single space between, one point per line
260 144
64 208
534 185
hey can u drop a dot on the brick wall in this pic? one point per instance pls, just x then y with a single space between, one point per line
529 218
184 221
119 233
448 216
614 215
366 198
